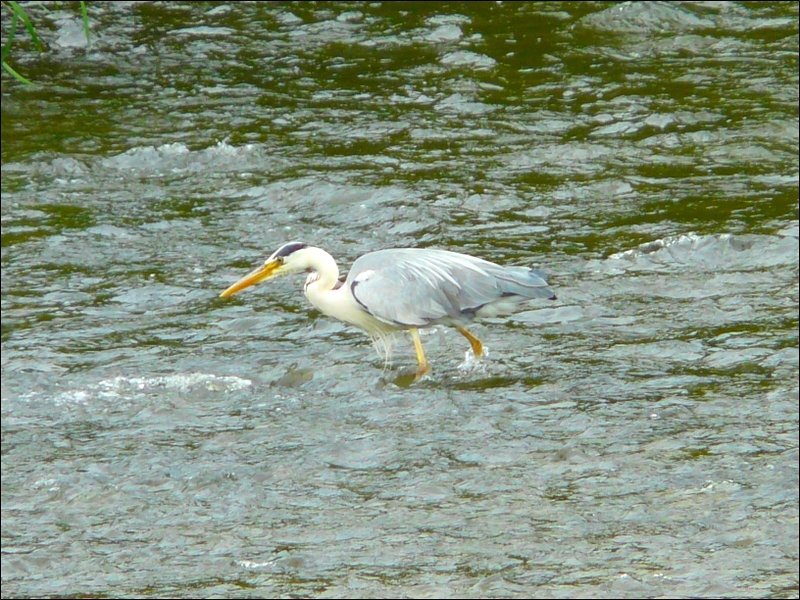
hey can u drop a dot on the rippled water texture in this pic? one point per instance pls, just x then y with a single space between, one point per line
636 438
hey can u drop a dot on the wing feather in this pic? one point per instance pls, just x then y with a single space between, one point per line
416 287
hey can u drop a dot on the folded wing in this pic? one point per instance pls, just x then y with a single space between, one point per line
416 287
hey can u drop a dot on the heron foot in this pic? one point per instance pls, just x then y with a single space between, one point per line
477 345
424 365
408 378
422 370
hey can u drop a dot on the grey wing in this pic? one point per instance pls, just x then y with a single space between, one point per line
418 287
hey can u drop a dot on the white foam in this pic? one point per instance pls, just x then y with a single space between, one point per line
123 386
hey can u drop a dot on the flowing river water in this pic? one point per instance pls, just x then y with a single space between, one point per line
638 437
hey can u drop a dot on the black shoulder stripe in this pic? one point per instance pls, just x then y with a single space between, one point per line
353 292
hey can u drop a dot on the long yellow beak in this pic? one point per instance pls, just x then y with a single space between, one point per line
269 269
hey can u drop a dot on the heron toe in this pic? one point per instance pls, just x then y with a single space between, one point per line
477 346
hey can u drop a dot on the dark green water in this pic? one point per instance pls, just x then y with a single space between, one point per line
636 438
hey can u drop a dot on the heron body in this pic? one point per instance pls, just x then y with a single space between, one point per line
405 289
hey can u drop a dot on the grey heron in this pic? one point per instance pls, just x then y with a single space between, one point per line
405 289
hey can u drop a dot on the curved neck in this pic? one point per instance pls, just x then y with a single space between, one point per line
337 302
320 262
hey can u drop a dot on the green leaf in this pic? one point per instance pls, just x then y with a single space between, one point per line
23 16
8 69
12 32
85 17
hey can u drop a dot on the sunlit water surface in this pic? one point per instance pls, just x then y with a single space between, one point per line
635 438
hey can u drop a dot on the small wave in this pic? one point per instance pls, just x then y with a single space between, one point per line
123 386
712 252
177 157
647 17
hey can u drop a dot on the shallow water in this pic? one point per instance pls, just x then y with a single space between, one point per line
638 437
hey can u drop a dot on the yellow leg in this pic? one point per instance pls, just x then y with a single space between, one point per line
424 367
477 347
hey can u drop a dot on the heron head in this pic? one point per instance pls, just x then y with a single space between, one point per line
289 258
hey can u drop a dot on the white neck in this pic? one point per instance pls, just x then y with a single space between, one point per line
335 302
324 271
319 287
